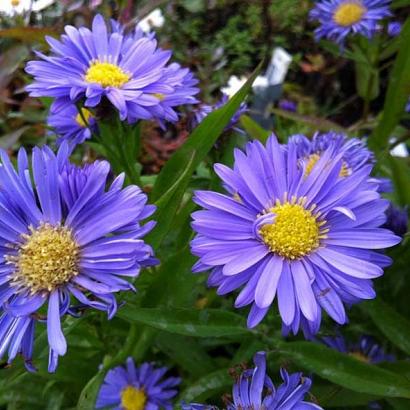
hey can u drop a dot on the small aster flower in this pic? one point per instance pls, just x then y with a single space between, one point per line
407 109
355 153
365 350
64 237
306 238
137 388
129 70
288 105
397 220
394 29
340 18
204 110
255 390
71 126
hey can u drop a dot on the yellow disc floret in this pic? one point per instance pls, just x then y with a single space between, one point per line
133 398
349 13
106 74
15 3
295 231
159 96
46 260
83 119
312 160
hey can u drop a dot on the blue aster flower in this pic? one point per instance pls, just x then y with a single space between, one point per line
397 219
64 240
137 388
355 153
394 29
255 390
71 126
307 238
204 110
128 70
365 350
340 18
288 105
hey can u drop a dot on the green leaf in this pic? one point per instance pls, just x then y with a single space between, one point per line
330 395
88 396
401 178
397 95
188 322
216 382
393 325
254 129
174 177
346 371
367 81
187 353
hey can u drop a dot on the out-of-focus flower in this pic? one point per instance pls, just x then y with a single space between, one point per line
355 153
20 6
255 390
152 20
234 85
204 110
408 106
394 29
288 105
71 126
397 220
137 388
64 236
129 70
340 18
365 350
306 237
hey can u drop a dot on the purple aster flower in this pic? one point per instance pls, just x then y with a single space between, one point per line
288 105
355 153
137 388
397 220
71 126
64 237
339 18
204 110
408 106
394 29
129 70
255 390
306 237
365 350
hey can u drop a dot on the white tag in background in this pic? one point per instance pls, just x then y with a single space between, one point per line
278 66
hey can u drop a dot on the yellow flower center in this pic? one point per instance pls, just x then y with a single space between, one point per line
314 158
133 399
106 74
159 96
359 356
15 3
47 259
295 231
349 13
83 119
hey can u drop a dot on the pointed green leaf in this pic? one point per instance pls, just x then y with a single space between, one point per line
173 179
346 371
394 326
188 322
398 92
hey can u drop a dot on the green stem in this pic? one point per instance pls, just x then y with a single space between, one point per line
144 343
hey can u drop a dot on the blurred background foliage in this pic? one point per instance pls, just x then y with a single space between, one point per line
216 39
